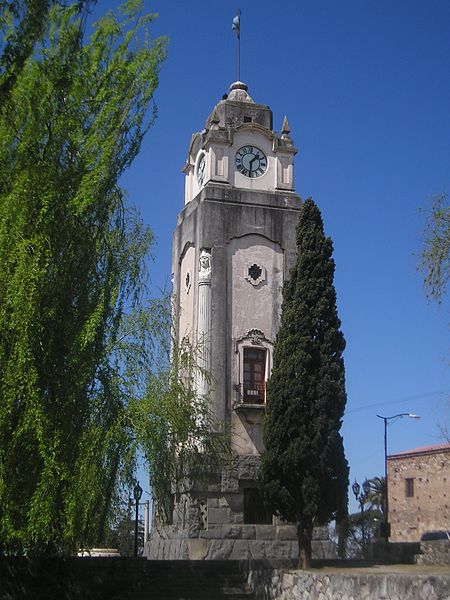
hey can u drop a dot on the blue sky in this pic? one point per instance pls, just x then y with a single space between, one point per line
365 85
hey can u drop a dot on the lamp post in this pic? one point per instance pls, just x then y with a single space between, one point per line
387 529
137 493
361 498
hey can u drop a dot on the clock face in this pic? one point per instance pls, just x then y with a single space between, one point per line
251 161
201 169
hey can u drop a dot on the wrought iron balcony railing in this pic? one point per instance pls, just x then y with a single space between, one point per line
251 394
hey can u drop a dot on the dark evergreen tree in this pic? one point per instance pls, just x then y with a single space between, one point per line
304 473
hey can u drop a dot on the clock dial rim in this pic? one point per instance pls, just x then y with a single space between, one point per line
247 169
201 165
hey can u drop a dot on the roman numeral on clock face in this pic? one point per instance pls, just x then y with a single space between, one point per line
250 161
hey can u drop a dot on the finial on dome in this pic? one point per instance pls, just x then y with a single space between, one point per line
238 85
238 92
285 128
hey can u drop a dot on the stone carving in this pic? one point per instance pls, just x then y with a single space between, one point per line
255 274
256 337
204 266
203 513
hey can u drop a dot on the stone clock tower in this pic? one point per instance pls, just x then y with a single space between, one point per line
233 247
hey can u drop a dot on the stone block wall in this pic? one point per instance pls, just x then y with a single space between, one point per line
425 504
393 553
210 524
234 542
435 552
280 584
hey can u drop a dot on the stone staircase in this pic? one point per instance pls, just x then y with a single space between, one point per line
191 580
109 578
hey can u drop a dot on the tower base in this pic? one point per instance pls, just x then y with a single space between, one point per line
229 522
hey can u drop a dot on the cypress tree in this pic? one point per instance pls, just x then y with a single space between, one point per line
304 473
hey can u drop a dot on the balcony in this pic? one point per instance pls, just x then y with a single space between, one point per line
250 396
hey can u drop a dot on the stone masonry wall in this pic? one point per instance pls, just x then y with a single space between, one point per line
209 525
278 584
436 552
429 506
235 542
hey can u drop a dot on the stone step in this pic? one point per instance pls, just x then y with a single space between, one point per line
121 579
191 580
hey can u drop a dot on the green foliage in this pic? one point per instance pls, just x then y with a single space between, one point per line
72 260
376 498
435 259
304 472
169 424
120 533
357 532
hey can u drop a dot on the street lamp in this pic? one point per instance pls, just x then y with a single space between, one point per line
387 529
137 493
361 498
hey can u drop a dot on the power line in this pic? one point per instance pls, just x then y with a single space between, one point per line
406 399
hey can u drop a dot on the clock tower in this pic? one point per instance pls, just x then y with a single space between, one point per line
233 246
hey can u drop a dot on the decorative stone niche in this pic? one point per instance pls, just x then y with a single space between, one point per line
255 274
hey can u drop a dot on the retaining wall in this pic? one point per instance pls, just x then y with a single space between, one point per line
281 584
436 552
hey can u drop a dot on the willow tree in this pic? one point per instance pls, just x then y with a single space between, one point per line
304 475
73 113
435 257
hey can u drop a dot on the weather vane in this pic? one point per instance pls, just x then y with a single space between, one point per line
236 26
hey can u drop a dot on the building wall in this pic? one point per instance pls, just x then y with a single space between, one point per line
424 504
187 289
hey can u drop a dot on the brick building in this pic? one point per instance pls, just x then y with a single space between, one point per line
419 491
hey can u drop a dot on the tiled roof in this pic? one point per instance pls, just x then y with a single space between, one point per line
423 450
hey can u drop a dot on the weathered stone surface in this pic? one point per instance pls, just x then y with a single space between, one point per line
229 482
213 532
257 549
248 467
234 501
434 553
278 584
278 550
219 515
232 531
248 532
240 550
197 549
320 533
324 549
219 550
238 518
265 532
286 532
213 502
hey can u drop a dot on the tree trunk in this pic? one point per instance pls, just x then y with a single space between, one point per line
304 536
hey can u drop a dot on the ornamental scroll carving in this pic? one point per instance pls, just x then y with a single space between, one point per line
256 337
